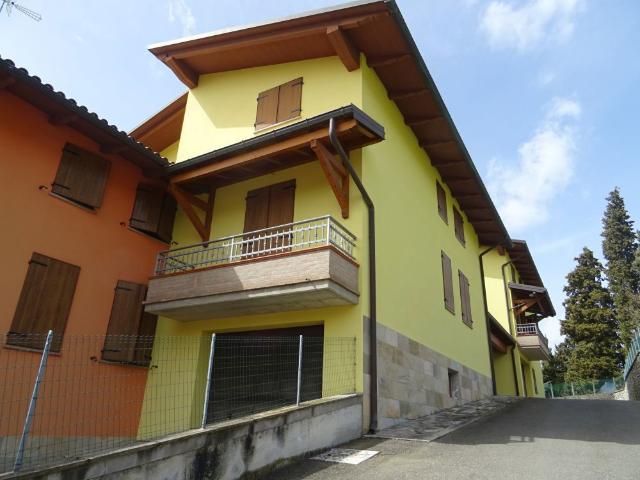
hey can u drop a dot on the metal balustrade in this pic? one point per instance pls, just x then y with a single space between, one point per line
531 329
294 236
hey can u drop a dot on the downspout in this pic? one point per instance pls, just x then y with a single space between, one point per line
373 357
513 348
486 318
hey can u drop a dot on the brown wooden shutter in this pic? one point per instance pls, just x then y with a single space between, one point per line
147 208
447 281
256 217
442 202
81 176
153 212
465 299
458 223
167 218
124 322
281 201
144 342
267 112
45 302
289 100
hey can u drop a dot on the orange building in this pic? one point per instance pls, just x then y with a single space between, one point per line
82 220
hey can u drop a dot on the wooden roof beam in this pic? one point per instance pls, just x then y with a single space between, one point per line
388 60
112 148
184 72
346 51
437 143
62 119
446 164
260 153
184 200
336 174
403 94
418 121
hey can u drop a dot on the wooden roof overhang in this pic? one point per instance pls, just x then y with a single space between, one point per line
529 299
289 146
377 30
163 129
61 110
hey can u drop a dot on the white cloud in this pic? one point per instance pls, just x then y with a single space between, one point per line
525 189
180 12
529 24
545 78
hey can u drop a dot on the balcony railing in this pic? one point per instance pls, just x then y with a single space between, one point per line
296 236
531 329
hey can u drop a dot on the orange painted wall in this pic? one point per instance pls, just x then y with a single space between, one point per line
33 220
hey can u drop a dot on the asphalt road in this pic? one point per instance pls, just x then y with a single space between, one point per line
531 439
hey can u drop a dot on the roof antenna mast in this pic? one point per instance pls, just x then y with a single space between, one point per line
10 5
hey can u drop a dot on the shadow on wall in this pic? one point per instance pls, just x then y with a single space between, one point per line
526 421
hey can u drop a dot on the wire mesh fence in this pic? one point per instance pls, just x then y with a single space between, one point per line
584 388
87 404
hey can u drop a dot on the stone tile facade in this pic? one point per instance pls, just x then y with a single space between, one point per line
413 380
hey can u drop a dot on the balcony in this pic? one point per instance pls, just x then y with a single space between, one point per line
532 342
297 266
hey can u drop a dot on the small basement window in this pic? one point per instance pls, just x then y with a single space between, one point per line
81 177
454 384
279 104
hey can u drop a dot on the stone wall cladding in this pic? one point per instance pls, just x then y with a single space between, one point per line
413 380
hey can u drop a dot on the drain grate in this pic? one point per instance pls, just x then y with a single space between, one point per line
345 455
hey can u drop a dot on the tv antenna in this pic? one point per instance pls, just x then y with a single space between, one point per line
10 5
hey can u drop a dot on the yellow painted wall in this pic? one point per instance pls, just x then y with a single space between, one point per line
503 366
171 152
496 300
222 109
410 235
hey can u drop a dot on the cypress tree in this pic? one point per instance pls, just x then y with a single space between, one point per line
590 325
619 247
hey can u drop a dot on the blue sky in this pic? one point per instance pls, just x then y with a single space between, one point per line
544 92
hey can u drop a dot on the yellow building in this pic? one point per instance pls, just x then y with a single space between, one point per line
516 302
323 191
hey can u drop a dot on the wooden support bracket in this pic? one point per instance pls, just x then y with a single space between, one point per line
336 174
184 72
185 200
348 53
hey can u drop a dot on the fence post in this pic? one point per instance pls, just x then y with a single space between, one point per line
32 403
593 386
552 394
207 390
299 370
573 392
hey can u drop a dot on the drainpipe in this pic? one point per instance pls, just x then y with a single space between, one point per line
373 357
486 318
513 348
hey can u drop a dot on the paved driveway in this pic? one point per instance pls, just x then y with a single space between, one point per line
534 438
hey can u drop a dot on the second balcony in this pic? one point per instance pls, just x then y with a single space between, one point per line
297 266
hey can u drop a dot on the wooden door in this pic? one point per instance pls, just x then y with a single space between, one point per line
268 207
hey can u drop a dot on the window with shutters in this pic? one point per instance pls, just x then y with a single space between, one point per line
447 282
458 224
81 177
465 299
131 330
442 202
279 104
44 303
154 212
